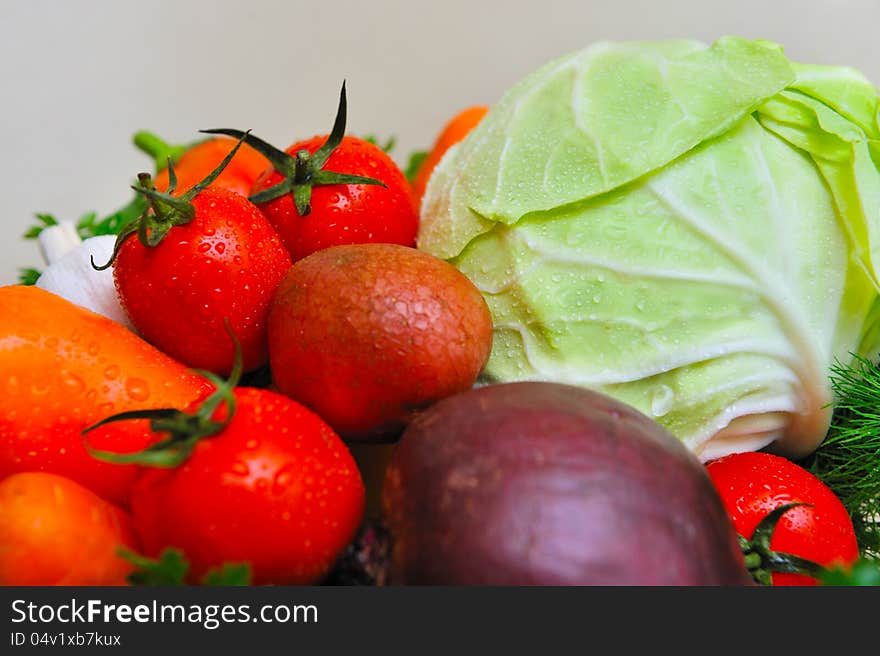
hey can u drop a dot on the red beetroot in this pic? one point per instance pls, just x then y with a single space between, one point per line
548 484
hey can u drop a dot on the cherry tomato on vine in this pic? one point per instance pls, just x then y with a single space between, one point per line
247 476
192 261
333 190
277 489
754 484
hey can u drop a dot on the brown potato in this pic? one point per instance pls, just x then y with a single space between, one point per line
367 335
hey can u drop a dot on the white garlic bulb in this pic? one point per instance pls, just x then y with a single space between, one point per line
70 273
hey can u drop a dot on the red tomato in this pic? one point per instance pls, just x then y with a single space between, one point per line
753 484
333 190
345 213
224 264
54 531
276 488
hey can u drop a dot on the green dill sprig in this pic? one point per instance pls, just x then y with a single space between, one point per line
848 460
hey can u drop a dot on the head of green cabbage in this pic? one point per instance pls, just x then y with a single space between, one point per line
692 229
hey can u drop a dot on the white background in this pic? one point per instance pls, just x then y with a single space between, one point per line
79 77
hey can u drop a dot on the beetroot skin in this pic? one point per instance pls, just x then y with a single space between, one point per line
548 484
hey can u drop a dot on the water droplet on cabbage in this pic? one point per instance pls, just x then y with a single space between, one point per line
662 400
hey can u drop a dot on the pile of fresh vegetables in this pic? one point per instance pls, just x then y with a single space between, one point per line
620 329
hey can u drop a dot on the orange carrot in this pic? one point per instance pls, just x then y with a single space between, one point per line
56 532
63 368
199 160
454 131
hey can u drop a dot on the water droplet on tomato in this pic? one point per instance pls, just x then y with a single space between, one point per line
72 383
111 372
240 468
93 348
204 247
251 444
237 259
219 247
210 231
137 389
283 478
40 387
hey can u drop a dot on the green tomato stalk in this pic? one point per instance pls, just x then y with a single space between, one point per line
184 429
303 171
